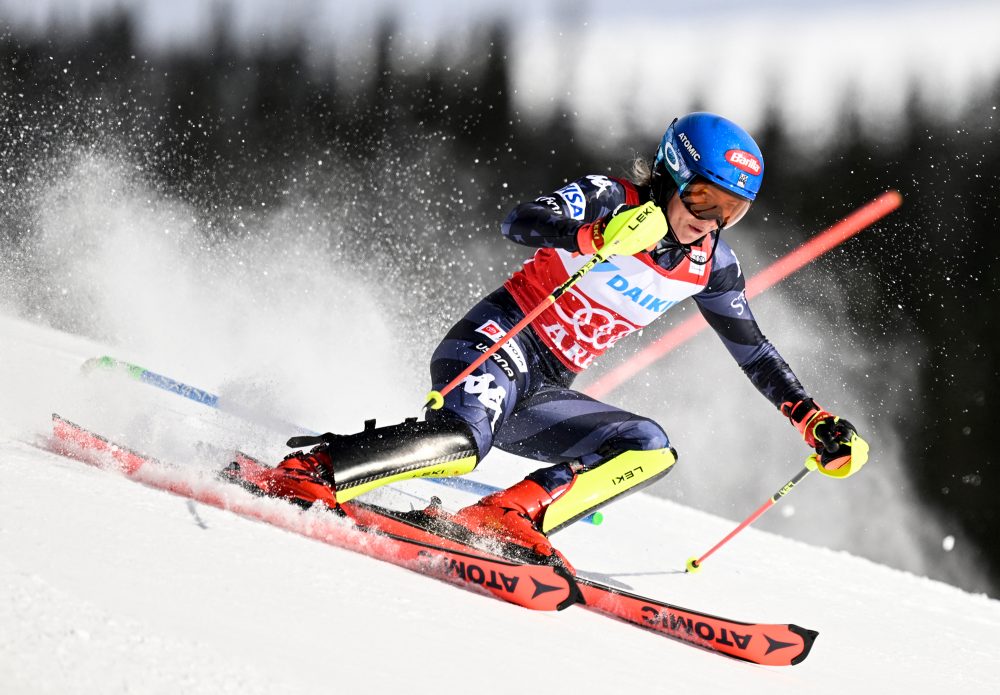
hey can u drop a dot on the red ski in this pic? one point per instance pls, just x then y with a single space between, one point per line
771 645
412 524
408 539
535 586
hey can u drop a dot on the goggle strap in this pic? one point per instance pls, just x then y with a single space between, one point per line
686 249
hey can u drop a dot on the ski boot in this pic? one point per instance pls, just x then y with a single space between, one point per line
301 478
513 516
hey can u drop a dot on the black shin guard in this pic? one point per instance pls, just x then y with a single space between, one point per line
380 455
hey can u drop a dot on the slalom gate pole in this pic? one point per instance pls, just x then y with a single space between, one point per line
830 238
435 399
694 563
213 401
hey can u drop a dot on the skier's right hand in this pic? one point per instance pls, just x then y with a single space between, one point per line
840 450
631 230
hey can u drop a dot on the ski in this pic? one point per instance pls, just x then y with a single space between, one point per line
535 586
415 524
424 542
769 645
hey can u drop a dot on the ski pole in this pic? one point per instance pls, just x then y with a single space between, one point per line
694 563
435 399
213 401
193 393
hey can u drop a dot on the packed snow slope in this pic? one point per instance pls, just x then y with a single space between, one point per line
110 587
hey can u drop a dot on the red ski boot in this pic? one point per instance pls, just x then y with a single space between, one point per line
301 478
513 516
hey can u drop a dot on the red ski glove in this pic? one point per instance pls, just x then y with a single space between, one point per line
840 451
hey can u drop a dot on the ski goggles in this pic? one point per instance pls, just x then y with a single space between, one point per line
707 201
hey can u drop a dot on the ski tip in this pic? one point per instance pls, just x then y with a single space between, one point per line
808 638
692 565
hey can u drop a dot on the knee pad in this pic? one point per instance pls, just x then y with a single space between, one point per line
637 434
616 477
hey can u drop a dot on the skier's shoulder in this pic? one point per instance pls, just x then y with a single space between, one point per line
726 274
607 190
725 256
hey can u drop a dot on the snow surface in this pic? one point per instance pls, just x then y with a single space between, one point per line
110 587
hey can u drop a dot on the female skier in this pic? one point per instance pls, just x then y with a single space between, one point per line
663 232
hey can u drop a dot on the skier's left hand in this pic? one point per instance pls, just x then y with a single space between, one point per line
840 450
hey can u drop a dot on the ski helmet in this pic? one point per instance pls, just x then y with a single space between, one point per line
714 148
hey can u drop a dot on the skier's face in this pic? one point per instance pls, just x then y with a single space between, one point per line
703 207
686 227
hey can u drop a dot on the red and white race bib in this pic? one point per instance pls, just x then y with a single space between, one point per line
614 299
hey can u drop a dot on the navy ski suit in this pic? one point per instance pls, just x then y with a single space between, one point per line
521 400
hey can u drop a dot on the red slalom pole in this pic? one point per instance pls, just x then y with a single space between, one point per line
828 239
694 563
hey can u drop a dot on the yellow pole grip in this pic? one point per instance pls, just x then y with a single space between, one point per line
435 401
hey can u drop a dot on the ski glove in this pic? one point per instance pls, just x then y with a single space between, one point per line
840 450
626 232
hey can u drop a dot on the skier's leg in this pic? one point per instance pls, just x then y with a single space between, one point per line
452 440
603 453
484 400
357 463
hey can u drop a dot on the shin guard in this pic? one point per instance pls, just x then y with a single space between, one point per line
618 476
377 456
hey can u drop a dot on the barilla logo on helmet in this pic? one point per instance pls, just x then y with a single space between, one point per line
744 161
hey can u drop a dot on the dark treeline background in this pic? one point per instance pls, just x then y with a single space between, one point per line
235 131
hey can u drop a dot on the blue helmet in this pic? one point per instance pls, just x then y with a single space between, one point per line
714 148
